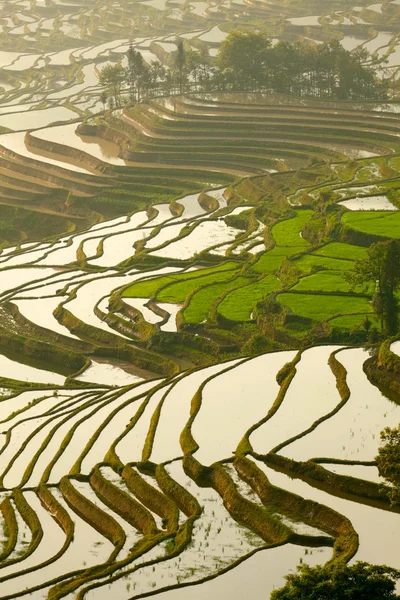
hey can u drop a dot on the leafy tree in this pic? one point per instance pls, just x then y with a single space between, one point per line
339 581
103 98
180 60
198 67
388 461
244 58
112 77
137 74
158 75
382 267
247 61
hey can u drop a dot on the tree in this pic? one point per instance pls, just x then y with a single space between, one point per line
180 60
137 73
103 98
339 581
244 57
157 75
388 461
112 77
381 266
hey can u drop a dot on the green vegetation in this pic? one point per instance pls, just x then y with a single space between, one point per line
270 261
340 250
388 461
360 581
229 129
381 223
238 305
311 262
177 292
288 233
324 281
380 268
248 61
150 287
321 307
201 301
351 321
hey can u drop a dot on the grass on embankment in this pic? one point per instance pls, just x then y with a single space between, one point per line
352 321
327 281
200 303
321 307
178 291
381 223
149 287
341 250
238 305
288 233
310 262
270 261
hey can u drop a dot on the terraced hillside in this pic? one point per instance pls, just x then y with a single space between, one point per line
180 346
133 490
217 257
52 52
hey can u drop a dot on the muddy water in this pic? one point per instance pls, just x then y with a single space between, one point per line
88 548
26 61
173 310
256 577
41 313
246 393
378 530
393 59
87 428
176 411
305 21
66 135
315 400
107 374
13 278
214 35
164 214
140 304
369 203
132 536
360 471
7 58
119 248
191 206
130 447
116 426
217 541
359 422
349 42
376 7
395 347
204 235
38 118
16 143
382 39
88 295
52 541
166 234
15 370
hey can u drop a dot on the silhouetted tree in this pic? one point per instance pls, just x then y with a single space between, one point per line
339 581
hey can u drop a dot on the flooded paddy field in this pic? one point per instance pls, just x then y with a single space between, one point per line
160 386
179 338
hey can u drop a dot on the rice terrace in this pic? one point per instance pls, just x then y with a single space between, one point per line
199 299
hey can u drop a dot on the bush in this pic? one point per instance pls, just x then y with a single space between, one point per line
361 581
